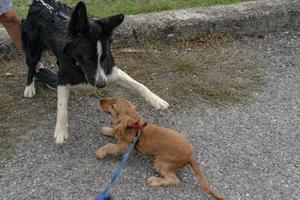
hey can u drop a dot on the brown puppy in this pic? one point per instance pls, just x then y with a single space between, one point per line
171 149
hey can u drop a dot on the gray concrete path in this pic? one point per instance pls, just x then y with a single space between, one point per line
250 151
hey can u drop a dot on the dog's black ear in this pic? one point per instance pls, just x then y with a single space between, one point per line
79 20
110 23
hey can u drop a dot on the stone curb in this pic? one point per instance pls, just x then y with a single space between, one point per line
249 18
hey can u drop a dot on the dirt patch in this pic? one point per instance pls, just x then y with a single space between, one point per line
17 114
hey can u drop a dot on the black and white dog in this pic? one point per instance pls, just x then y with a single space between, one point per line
82 49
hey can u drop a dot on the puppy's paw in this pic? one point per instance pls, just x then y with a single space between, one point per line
29 91
101 153
107 131
154 181
61 135
157 102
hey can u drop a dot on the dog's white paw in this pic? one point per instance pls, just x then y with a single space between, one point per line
157 102
29 91
61 135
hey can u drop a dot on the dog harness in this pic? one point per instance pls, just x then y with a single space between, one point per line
104 195
50 8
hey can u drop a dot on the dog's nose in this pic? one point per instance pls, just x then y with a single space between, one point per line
100 83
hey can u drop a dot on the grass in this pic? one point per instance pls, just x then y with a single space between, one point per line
97 8
195 71
206 69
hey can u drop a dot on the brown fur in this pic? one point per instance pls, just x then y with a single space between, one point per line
170 149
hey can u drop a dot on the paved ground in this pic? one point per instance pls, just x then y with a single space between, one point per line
250 151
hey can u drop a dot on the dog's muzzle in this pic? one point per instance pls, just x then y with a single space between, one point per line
100 83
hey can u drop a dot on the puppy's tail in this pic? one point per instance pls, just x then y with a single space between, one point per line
201 180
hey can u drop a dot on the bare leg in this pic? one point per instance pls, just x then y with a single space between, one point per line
12 24
112 149
61 129
124 80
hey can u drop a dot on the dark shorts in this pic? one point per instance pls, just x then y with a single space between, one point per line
5 6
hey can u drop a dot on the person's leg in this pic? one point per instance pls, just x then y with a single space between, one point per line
12 24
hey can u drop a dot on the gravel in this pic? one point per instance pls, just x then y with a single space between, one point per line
247 151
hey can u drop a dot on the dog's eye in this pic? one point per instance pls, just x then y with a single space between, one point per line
75 62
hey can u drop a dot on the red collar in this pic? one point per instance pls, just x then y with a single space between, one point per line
137 126
138 129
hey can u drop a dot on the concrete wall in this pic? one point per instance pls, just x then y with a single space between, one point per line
250 18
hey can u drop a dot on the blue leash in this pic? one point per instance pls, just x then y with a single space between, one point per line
105 193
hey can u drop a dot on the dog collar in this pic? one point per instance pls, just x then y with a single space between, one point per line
137 127
138 131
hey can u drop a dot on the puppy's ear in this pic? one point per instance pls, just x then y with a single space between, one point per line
110 23
79 20
123 122
135 108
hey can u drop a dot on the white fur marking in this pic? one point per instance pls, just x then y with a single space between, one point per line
124 80
61 129
29 91
100 75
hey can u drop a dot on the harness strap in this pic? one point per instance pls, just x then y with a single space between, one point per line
50 8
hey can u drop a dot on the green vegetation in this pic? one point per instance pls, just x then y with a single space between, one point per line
198 69
97 8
